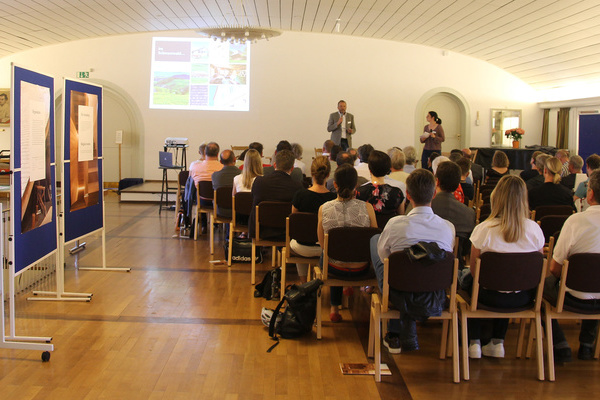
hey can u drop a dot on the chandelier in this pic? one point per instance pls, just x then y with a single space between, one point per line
239 34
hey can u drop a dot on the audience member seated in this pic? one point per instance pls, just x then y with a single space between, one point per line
551 193
252 168
410 159
387 200
575 167
476 174
344 211
563 157
298 163
335 151
362 169
527 174
354 154
580 234
508 229
309 200
458 193
444 204
465 168
592 163
401 232
278 186
201 171
327 145
225 176
398 160
431 159
343 158
296 173
538 180
499 167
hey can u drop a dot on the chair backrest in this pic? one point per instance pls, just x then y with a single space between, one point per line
303 227
510 271
183 177
243 203
205 190
223 198
350 244
583 272
318 151
550 224
272 214
484 211
408 276
542 211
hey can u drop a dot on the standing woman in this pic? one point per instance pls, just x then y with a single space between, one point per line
433 136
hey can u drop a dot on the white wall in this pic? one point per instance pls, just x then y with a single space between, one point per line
296 81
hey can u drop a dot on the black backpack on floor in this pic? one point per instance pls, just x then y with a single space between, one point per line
299 314
270 287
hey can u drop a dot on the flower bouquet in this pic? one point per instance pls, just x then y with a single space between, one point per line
515 134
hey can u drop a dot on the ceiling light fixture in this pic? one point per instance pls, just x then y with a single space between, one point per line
239 34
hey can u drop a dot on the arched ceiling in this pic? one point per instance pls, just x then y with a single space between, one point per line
546 43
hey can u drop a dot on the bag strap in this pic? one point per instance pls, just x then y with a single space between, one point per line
272 333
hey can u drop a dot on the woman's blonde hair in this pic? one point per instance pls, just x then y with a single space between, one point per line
509 205
554 166
252 167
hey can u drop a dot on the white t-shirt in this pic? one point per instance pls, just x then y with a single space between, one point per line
238 183
487 237
580 234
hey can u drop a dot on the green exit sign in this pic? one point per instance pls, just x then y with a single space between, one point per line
83 74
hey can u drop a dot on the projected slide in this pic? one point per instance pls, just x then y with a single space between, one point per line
199 74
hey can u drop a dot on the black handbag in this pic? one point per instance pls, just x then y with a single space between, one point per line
241 251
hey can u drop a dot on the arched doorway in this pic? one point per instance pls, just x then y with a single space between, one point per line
452 109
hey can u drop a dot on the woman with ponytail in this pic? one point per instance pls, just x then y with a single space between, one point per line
309 200
345 211
432 137
551 193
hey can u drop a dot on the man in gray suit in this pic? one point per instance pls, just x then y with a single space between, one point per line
341 125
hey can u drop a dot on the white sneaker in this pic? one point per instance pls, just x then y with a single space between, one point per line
475 350
493 350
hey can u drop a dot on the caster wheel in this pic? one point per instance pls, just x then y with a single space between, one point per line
45 356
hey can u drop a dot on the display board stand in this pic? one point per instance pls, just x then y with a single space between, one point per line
60 294
12 341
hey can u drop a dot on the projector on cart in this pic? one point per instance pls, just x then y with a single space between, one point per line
176 141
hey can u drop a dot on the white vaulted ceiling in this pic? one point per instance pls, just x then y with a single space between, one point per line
546 43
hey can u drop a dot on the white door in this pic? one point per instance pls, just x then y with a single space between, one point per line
448 110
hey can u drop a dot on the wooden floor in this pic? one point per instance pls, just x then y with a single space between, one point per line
178 327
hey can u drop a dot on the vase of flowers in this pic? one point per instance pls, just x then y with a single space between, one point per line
515 134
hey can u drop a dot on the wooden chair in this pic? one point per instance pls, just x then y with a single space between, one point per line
241 205
542 211
303 228
204 191
269 214
349 244
483 212
401 274
550 224
222 200
318 151
579 272
504 272
181 180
